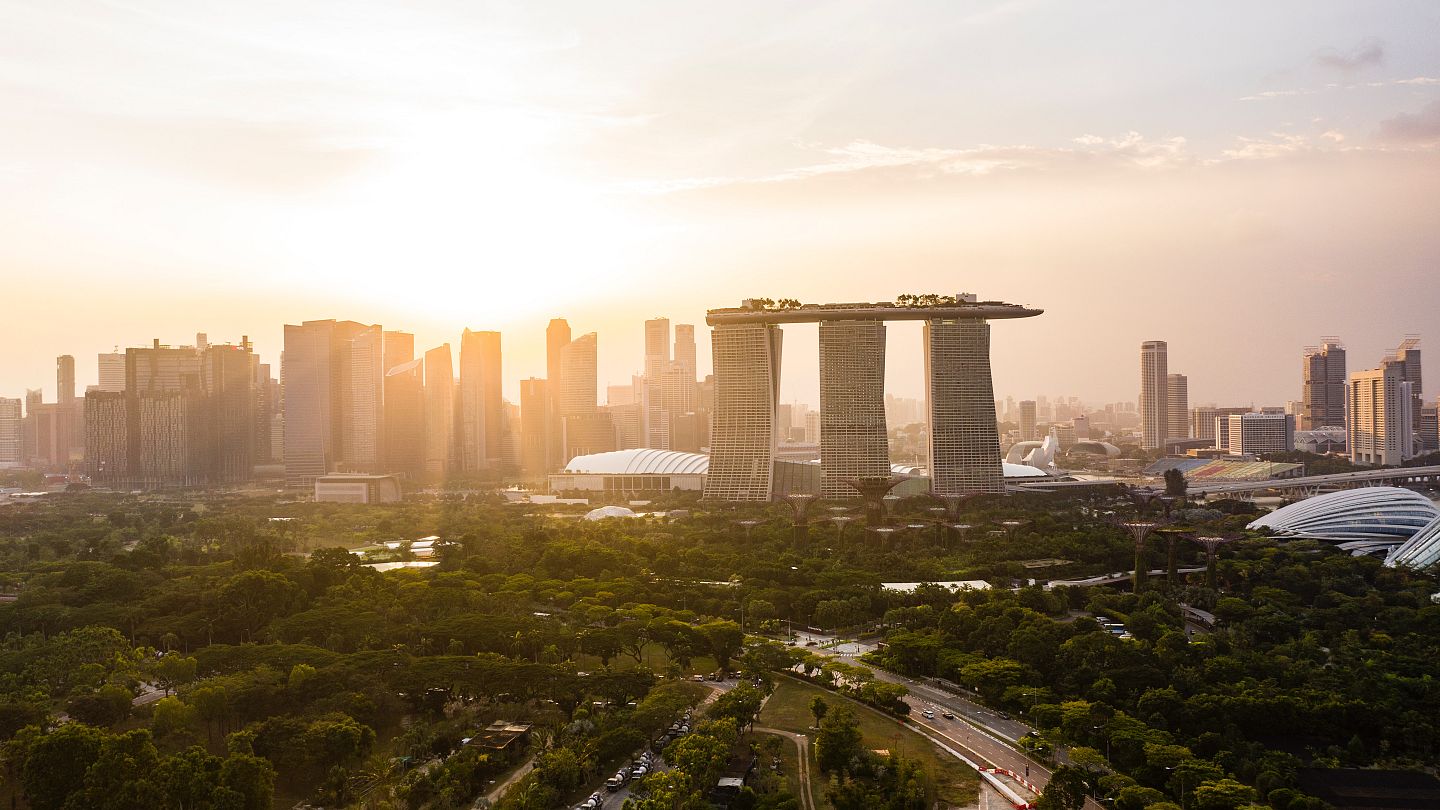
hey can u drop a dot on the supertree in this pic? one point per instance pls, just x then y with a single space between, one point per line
1172 536
1140 530
800 511
1212 546
872 492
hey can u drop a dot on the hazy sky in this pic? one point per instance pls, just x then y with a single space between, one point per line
1236 178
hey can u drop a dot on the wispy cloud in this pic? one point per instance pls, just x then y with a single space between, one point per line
1414 81
1368 53
1417 127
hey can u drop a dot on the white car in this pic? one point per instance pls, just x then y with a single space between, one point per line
928 714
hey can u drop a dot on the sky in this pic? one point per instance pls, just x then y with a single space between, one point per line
1236 178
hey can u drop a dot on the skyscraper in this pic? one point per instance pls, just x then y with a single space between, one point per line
1154 395
747 383
399 348
1322 395
1380 419
536 420
309 394
681 377
363 400
112 371
557 337
656 394
1177 396
1407 359
439 412
482 416
404 432
1027 420
11 433
65 379
964 444
853 441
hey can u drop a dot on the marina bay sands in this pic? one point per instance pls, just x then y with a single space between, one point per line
961 426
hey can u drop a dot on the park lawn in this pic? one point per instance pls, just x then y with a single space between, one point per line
789 709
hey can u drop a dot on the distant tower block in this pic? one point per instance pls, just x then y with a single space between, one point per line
853 441
964 446
746 357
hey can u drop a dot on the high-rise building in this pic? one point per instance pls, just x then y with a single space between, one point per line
399 348
536 420
1379 419
1407 359
363 400
1177 400
107 438
185 418
1322 399
65 379
1027 420
439 412
747 384
557 337
404 432
656 395
309 394
112 371
1430 428
853 442
482 406
579 363
1154 395
680 378
1258 433
1203 421
964 444
585 429
12 432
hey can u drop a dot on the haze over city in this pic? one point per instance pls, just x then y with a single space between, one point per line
1236 180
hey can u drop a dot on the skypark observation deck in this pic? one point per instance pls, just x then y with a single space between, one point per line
854 448
883 311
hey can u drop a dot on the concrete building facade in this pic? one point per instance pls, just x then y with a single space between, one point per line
1154 395
853 440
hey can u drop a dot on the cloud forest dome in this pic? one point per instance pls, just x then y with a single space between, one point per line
1389 514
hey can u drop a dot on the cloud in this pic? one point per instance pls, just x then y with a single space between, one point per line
1368 53
1129 150
1416 127
1414 81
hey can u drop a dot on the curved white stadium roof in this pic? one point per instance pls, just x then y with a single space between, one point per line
640 462
1420 551
674 462
1370 513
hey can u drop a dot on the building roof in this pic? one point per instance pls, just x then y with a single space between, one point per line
1366 514
879 311
640 462
1422 550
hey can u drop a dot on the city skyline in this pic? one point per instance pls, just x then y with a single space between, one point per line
799 381
561 150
